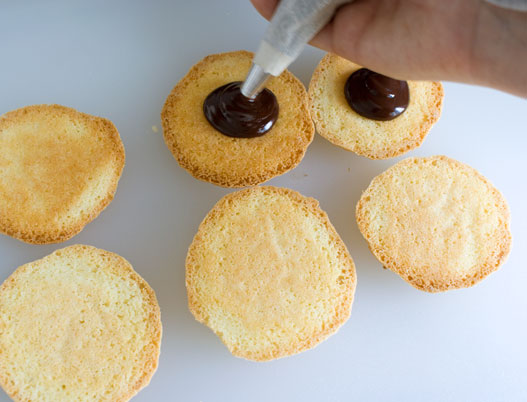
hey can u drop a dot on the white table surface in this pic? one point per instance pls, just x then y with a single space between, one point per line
119 60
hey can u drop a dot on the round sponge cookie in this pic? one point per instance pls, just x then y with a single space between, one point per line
234 162
268 273
436 222
77 325
336 121
59 169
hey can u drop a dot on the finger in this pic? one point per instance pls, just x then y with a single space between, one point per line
350 27
336 36
324 38
265 7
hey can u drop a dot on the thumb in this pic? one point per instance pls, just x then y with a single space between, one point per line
265 7
341 34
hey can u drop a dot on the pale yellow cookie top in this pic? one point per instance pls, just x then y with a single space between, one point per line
77 325
340 124
59 169
268 273
436 222
234 162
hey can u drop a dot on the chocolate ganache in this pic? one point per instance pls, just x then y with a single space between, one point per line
376 96
235 115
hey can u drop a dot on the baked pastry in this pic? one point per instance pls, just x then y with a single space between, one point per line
336 121
212 156
59 169
268 273
77 325
436 222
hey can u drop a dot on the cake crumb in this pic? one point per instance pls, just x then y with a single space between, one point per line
155 129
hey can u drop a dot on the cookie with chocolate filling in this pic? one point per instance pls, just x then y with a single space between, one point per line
221 137
368 113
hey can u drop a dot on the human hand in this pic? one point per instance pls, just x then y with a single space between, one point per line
468 41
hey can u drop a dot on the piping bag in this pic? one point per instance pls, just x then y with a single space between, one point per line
293 24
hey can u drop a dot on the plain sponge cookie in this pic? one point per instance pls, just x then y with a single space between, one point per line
436 222
268 273
59 169
77 325
234 162
336 121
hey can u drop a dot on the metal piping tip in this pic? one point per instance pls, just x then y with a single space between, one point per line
254 82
